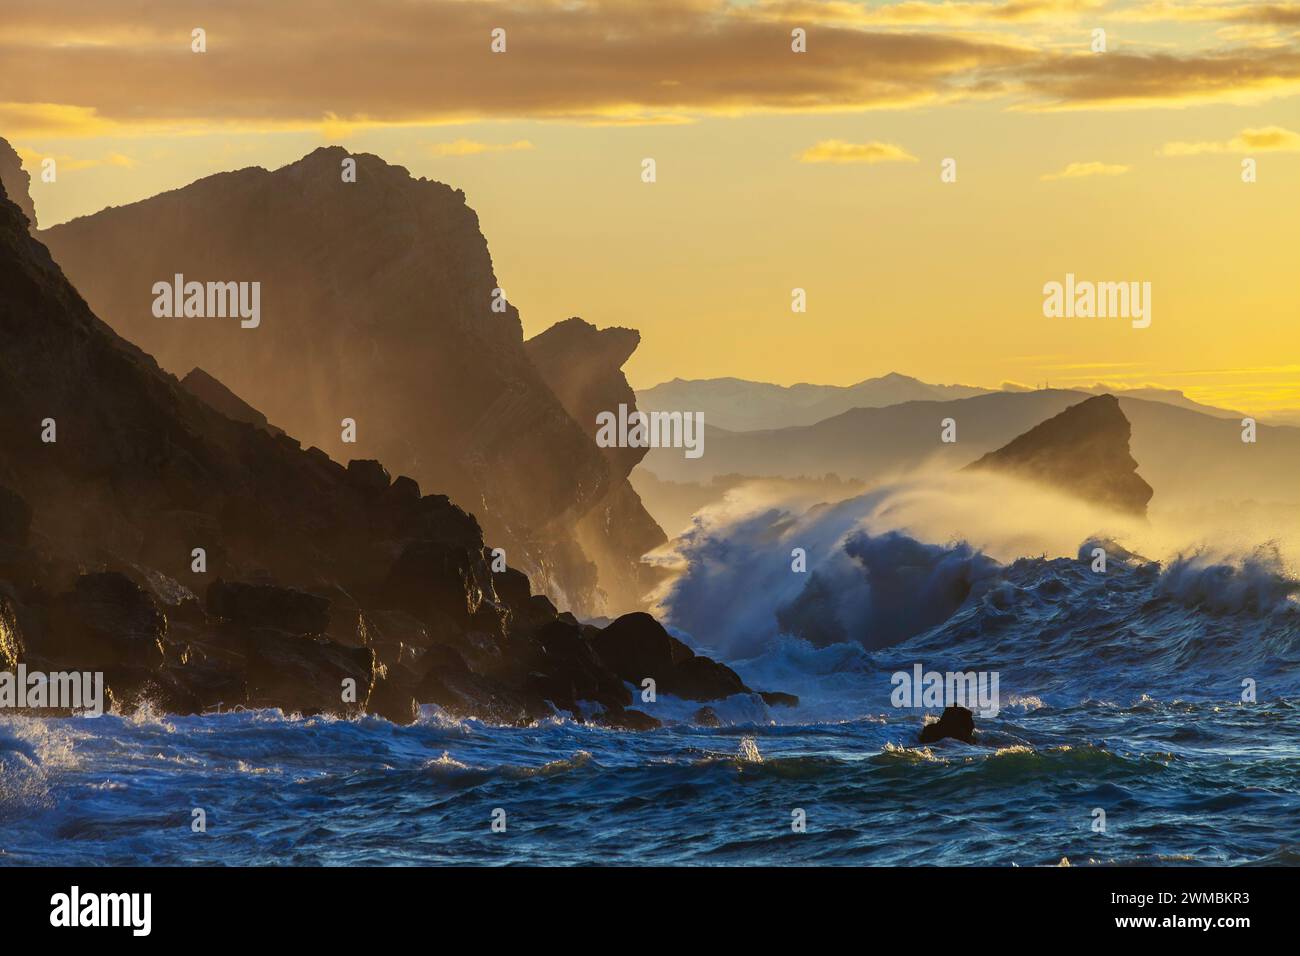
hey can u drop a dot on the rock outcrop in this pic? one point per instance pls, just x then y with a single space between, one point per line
203 385
957 723
201 562
1083 451
583 365
16 181
379 305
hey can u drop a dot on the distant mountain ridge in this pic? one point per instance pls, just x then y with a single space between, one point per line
742 405
1191 459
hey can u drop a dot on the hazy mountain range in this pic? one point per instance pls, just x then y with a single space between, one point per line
1192 458
740 405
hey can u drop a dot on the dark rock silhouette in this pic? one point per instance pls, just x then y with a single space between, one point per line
583 365
325 588
377 302
1084 451
636 647
200 383
16 181
955 722
263 605
706 717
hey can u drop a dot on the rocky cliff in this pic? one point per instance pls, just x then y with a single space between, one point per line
1084 451
583 366
379 304
16 181
201 561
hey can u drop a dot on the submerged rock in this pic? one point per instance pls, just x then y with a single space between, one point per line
955 722
706 717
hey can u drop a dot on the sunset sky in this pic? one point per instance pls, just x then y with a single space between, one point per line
775 169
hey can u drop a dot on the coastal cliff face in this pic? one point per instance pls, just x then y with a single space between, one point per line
1083 451
583 366
17 183
379 304
202 561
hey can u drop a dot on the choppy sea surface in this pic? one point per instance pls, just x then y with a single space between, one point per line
1120 693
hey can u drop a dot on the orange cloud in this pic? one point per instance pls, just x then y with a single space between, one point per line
336 65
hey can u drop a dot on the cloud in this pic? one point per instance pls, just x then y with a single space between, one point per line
1267 139
922 13
1126 81
469 147
838 151
336 65
1082 170
66 163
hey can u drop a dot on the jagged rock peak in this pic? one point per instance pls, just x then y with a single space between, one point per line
1083 451
17 183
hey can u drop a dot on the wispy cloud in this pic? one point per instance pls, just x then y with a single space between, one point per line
1082 170
469 147
67 163
1267 139
838 151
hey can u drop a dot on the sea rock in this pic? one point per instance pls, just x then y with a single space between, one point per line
706 717
451 685
1083 451
955 722
569 671
105 623
701 678
636 646
15 518
306 675
11 635
393 700
627 719
778 699
263 605
203 679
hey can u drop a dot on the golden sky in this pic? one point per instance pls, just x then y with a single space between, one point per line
775 169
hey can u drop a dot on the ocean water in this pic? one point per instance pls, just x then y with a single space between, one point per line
1120 692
